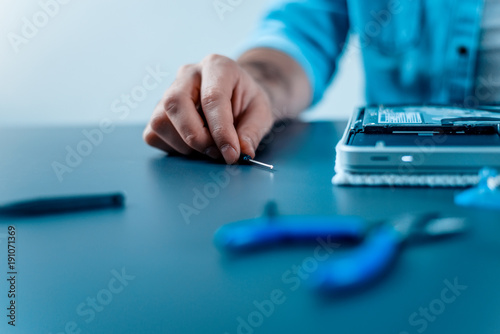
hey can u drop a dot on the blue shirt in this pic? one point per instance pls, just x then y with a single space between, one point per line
487 87
413 51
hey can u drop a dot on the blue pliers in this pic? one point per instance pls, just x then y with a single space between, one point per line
376 246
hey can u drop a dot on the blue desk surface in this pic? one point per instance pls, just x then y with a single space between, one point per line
151 269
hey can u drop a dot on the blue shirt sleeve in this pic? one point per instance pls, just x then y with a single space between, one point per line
312 32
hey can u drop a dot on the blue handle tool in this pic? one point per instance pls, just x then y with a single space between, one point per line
485 195
381 247
363 264
266 231
377 248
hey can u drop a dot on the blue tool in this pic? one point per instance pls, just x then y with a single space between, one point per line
381 246
377 247
485 195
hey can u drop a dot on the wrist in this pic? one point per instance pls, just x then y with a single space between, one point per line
271 83
281 77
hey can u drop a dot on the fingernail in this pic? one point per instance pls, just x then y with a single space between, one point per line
212 152
229 154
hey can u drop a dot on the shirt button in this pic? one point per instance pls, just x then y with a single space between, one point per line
462 50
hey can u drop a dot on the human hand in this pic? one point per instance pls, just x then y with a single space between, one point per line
215 108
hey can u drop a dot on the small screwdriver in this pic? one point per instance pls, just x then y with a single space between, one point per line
247 158
52 205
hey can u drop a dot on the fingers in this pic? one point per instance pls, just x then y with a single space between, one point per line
153 140
160 133
176 121
180 107
216 93
253 125
237 112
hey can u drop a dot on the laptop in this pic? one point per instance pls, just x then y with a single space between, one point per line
418 145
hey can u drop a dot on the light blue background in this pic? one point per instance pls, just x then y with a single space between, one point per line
91 52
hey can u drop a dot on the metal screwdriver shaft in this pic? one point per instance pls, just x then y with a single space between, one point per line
247 158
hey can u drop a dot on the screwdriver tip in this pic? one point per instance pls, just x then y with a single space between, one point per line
247 158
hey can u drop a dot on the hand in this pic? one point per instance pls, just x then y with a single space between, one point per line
236 108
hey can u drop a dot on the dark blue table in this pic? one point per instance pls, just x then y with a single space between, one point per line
152 267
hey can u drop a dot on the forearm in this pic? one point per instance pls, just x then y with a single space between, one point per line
281 77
